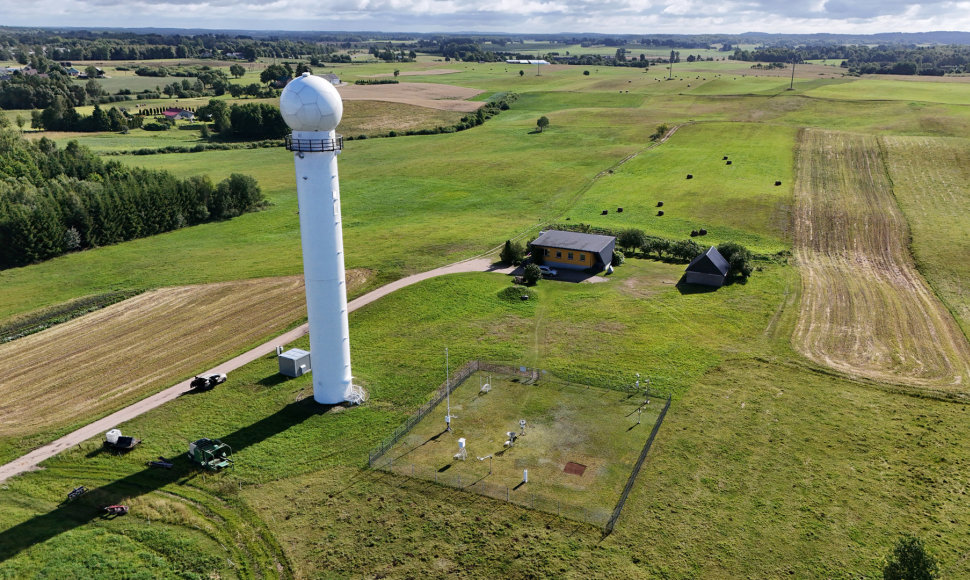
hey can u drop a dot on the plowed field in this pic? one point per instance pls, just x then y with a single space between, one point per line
865 309
98 362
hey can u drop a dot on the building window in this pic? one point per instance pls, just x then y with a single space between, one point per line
570 255
559 254
582 257
545 251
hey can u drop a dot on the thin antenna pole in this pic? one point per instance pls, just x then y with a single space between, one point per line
792 85
448 387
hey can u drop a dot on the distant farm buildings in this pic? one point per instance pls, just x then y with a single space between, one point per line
517 61
179 114
334 79
708 269
574 250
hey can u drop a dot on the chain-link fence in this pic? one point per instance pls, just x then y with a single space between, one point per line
608 528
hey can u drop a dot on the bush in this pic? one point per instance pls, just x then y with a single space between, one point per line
617 258
738 257
512 253
531 274
909 561
685 250
515 293
155 127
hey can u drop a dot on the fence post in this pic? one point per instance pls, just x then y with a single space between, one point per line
559 508
506 494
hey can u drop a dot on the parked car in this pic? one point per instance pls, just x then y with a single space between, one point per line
548 272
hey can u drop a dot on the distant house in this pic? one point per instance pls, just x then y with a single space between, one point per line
708 269
179 114
334 79
72 72
574 250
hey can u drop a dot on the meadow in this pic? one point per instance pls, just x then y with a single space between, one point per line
771 462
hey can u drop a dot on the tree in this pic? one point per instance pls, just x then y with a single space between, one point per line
531 274
657 246
686 250
542 123
275 73
91 71
631 239
21 121
909 561
237 70
738 257
512 253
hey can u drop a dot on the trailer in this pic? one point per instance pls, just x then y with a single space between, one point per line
211 454
115 441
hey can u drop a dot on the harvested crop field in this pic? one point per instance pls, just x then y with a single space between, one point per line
431 95
865 309
103 360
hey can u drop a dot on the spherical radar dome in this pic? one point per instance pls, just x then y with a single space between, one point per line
310 103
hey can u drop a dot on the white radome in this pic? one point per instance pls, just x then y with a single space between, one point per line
310 103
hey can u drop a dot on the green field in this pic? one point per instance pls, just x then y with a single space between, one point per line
769 464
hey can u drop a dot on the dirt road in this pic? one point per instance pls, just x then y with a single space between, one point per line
31 460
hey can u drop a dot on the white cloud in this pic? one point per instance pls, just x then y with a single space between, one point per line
537 16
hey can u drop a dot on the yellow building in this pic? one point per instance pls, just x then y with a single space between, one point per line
574 250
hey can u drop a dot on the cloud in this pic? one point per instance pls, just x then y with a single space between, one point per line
524 16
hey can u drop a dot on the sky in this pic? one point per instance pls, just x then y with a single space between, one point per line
515 16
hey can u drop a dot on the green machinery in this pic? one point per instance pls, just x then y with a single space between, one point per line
211 454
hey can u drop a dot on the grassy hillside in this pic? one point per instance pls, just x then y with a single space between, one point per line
767 465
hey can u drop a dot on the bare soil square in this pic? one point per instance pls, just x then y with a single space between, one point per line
579 443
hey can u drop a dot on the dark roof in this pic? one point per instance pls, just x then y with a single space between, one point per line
710 262
574 241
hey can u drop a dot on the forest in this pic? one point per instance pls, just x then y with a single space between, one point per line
58 200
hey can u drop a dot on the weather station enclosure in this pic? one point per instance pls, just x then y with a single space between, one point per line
294 362
567 449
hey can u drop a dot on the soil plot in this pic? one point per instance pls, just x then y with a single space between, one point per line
865 309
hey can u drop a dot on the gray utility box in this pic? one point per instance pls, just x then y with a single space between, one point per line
294 362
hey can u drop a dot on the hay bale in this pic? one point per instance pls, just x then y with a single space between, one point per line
619 210
693 233
702 232
605 212
777 183
660 212
660 204
727 162
724 158
690 176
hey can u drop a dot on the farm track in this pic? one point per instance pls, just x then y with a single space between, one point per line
865 309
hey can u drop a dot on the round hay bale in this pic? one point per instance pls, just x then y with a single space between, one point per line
660 204
660 212
619 210
605 212
690 176
724 158
702 232
693 233
727 162
777 183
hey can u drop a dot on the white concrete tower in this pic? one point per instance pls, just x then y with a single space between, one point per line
312 107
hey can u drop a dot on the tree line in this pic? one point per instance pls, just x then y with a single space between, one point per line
58 200
862 59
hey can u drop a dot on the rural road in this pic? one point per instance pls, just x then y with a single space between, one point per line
31 460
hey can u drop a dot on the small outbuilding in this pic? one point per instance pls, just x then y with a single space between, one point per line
294 362
574 250
708 269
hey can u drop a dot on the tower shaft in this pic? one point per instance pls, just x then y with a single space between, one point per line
318 194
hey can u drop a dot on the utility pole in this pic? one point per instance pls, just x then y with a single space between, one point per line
792 85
